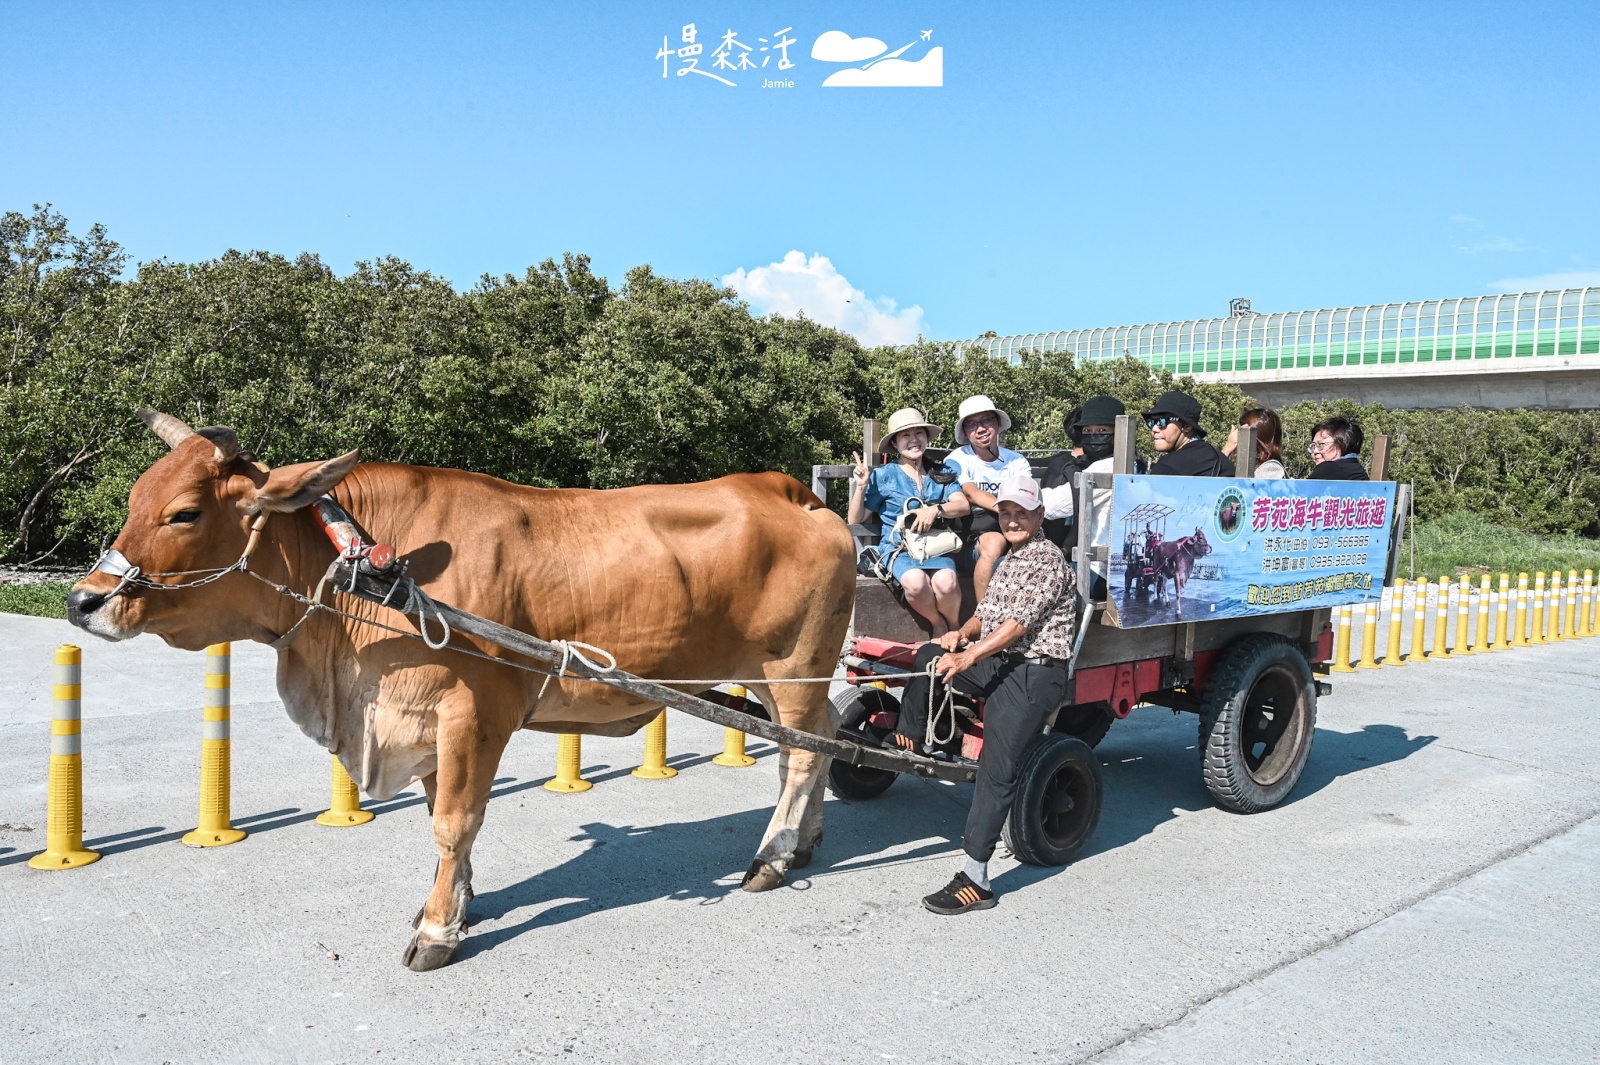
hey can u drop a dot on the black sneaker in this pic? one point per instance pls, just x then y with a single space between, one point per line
959 896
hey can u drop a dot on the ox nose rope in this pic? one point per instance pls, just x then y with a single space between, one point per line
116 563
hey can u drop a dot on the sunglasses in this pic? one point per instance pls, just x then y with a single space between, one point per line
1159 423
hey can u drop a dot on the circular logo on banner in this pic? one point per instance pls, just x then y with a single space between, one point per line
1230 513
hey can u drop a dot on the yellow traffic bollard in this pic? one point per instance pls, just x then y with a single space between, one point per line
569 765
1343 619
1441 619
655 765
1519 638
1502 617
733 755
1586 610
1369 635
1419 621
63 831
1397 609
216 756
1558 607
1480 645
1572 605
344 808
1538 608
1463 644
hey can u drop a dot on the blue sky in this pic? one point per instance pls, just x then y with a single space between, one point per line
1082 164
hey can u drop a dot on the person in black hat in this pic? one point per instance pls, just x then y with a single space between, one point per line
1174 422
1091 428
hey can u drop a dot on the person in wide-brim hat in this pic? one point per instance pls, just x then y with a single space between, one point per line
912 492
973 406
1179 405
903 419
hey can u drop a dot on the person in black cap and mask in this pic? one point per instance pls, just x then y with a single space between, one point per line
1091 427
1174 423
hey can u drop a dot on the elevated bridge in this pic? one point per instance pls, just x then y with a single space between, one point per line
1524 349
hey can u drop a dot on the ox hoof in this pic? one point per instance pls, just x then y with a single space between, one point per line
801 859
422 956
762 877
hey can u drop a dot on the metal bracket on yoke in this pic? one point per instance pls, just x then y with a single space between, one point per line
341 529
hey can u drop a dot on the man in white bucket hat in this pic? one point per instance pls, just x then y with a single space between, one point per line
1013 653
981 464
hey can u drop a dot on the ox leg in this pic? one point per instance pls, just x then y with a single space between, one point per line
469 753
796 825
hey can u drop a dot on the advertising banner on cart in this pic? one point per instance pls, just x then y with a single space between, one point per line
1202 548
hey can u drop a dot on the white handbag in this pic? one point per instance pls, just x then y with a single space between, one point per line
925 545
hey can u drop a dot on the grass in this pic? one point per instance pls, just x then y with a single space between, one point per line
1465 543
36 600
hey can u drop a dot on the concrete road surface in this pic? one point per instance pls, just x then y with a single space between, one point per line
1429 894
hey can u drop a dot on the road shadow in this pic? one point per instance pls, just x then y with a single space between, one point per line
1152 774
703 861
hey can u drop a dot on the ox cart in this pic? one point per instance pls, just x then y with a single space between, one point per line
1247 669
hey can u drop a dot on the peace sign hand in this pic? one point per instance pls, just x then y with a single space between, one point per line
862 471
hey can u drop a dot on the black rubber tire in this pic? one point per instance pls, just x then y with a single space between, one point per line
1088 721
1057 805
1258 715
855 709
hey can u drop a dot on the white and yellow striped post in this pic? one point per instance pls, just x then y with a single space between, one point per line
1586 611
1572 605
1463 644
655 765
1480 643
733 755
1557 608
216 756
1343 621
1519 638
1441 619
1419 621
1502 617
1397 609
1369 635
344 806
569 765
1538 608
63 832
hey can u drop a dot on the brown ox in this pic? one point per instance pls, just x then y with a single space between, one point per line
746 576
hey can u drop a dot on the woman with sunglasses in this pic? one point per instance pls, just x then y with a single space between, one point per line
1174 422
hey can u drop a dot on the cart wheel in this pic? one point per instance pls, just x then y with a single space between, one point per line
1058 801
855 709
1088 721
1257 717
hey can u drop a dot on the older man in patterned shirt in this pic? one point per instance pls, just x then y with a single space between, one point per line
1013 653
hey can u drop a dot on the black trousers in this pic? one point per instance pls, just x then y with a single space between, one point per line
1021 695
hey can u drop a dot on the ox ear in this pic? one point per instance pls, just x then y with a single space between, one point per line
168 428
225 440
294 487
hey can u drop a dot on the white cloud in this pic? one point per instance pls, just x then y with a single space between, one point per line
1495 244
837 46
927 72
1464 219
1541 282
813 286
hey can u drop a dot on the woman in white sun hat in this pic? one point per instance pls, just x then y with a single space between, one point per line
930 493
982 466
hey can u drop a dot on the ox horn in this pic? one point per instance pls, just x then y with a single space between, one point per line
168 428
225 440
